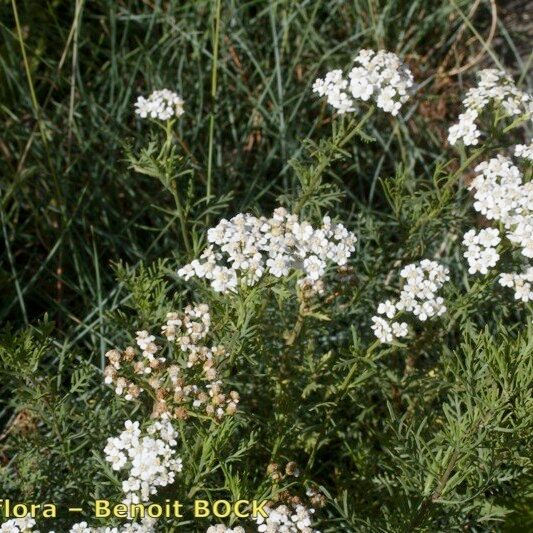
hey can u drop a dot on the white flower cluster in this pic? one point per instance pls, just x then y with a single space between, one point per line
146 525
150 460
221 528
176 388
501 195
524 151
19 525
163 105
418 296
378 75
522 284
481 251
494 87
246 247
286 518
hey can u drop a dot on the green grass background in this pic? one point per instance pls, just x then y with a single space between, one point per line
69 204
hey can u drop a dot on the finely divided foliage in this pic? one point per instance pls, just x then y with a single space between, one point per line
355 369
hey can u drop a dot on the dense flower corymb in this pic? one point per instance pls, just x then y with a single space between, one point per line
418 296
163 105
502 195
150 460
481 251
286 518
246 247
380 76
494 87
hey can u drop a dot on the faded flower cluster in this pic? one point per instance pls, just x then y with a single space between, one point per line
193 384
418 296
162 105
246 247
150 461
501 195
380 76
497 88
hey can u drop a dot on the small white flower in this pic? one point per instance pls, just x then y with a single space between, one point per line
80 527
524 151
399 329
481 253
521 283
387 308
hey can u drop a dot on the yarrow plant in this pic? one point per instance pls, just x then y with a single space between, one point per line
378 76
245 248
418 296
162 105
391 435
186 381
495 90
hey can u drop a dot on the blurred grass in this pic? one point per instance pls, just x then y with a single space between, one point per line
69 205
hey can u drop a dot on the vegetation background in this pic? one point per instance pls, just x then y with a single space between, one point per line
71 207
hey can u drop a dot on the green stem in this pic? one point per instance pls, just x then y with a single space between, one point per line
353 128
170 184
343 389
293 334
214 69
182 217
36 109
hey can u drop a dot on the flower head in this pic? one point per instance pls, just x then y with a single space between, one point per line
380 76
162 105
246 247
496 88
